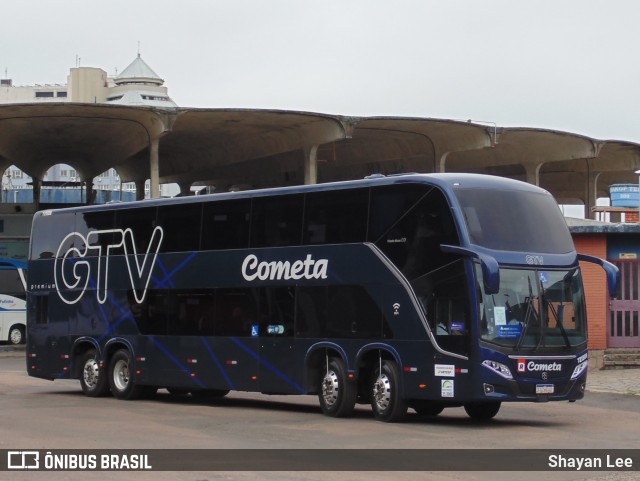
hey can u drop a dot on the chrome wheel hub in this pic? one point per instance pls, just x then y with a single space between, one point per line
121 375
90 373
382 392
330 388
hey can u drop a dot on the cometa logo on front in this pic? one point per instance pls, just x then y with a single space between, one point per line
554 366
309 268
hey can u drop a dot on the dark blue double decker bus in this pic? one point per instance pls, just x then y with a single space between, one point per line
410 291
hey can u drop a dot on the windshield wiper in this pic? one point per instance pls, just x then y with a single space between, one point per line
527 315
559 316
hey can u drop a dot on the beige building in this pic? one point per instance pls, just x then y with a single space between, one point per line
136 85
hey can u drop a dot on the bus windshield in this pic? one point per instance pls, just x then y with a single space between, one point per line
534 309
491 214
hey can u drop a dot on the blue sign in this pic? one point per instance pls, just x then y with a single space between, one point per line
509 331
456 327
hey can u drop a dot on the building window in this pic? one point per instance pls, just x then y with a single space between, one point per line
44 94
61 94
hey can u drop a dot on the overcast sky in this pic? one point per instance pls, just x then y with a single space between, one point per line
570 65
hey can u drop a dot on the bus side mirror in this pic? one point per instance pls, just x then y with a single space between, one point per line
490 274
613 273
490 267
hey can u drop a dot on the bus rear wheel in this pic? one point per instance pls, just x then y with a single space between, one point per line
121 379
386 402
337 396
93 379
482 411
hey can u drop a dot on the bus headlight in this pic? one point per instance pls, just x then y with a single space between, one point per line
580 368
498 368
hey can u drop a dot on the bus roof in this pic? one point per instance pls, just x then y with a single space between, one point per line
446 181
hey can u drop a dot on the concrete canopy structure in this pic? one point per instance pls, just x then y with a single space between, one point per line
238 148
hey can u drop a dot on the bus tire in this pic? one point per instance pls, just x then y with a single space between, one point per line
121 379
336 394
482 411
16 335
93 378
386 402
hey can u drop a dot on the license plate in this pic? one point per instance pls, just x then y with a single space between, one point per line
544 388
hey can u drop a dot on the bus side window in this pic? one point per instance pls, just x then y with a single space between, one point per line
446 299
311 311
141 221
277 311
450 317
277 221
181 226
336 217
413 241
235 312
151 315
225 225
341 311
87 222
56 228
195 313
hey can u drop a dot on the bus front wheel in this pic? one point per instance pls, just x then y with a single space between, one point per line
93 379
482 411
337 396
386 402
121 379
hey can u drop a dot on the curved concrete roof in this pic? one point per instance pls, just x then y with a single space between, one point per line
91 138
259 148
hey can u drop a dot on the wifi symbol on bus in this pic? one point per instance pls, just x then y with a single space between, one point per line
396 309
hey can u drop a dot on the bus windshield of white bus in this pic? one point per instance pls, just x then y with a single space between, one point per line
534 309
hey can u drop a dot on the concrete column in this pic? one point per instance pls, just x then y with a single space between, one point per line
140 189
591 194
37 187
442 163
154 168
311 165
533 173
90 197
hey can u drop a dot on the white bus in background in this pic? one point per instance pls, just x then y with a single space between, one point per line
12 301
